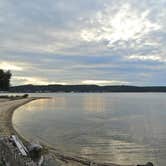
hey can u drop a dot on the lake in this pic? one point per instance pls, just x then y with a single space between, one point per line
123 128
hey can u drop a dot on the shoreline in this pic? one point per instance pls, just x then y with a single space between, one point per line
7 109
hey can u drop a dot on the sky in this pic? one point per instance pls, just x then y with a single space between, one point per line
104 42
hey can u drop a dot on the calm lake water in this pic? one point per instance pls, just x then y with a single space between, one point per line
124 128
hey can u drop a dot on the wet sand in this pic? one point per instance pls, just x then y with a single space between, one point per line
7 108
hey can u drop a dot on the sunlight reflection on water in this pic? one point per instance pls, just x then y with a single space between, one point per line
119 128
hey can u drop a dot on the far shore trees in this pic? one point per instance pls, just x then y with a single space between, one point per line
5 77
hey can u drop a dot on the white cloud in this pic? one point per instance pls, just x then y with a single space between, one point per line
147 58
10 66
35 81
123 25
104 82
43 81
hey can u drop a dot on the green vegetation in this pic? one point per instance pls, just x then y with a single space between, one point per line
5 77
14 97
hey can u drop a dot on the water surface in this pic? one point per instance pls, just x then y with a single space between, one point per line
124 128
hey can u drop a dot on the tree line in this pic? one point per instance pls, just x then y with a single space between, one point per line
5 77
85 88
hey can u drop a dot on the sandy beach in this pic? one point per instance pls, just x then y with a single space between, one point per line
7 108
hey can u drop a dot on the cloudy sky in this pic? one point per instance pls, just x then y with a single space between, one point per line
84 41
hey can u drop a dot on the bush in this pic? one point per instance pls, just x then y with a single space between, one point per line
25 96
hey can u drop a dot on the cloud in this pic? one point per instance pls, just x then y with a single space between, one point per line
104 82
70 42
10 66
147 58
123 25
35 81
44 81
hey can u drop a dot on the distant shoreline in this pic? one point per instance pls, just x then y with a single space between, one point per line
86 89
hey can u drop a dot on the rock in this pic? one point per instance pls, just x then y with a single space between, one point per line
147 164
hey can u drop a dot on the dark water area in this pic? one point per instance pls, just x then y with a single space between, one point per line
124 128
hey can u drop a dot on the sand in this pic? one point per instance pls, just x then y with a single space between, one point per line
7 108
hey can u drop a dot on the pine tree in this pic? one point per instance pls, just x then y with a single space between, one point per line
5 79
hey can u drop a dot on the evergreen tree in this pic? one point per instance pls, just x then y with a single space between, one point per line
5 79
